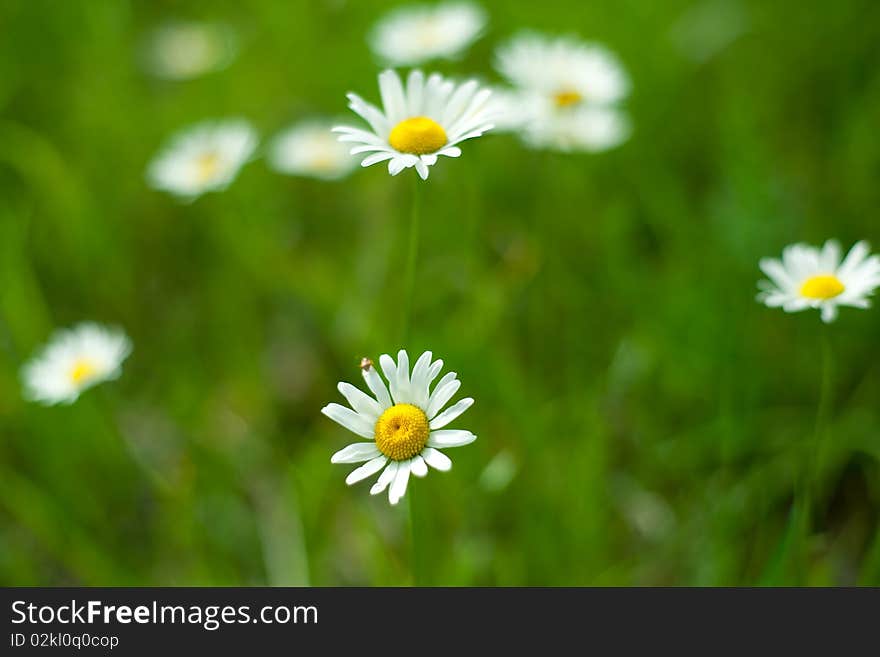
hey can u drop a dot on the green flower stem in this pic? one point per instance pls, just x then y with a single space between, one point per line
808 489
412 255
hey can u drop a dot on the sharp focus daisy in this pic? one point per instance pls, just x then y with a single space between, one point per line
310 149
402 424
74 360
415 34
418 123
204 158
809 277
185 50
570 90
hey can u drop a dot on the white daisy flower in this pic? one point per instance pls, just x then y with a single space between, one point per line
404 427
808 277
590 129
418 33
185 50
74 360
204 158
310 149
418 124
568 90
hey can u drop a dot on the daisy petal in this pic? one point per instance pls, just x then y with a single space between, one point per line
437 460
450 438
444 391
377 387
418 466
398 486
384 479
356 453
349 419
451 413
360 402
370 467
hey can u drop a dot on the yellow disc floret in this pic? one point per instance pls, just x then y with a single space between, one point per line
418 135
402 431
82 369
207 166
567 98
823 286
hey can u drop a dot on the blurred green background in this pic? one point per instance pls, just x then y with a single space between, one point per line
641 419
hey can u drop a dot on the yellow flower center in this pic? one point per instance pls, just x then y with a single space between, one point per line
82 370
823 286
428 34
402 431
417 135
207 166
567 98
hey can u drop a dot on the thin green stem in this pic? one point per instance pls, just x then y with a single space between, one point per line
815 456
823 409
412 255
415 532
409 283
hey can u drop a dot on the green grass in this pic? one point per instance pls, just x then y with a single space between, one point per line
652 420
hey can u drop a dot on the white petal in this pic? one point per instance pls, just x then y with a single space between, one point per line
398 486
362 403
777 273
853 259
444 391
393 98
422 170
396 165
419 383
434 370
402 379
437 460
370 467
451 413
829 312
418 467
349 419
356 453
384 479
829 258
370 113
377 387
450 438
375 158
415 86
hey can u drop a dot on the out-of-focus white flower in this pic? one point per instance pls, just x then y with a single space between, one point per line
74 360
415 34
184 50
419 123
404 427
310 149
565 93
204 158
808 277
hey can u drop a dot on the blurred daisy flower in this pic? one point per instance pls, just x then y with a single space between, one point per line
418 123
185 50
74 360
204 158
566 92
310 149
808 277
415 34
404 427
